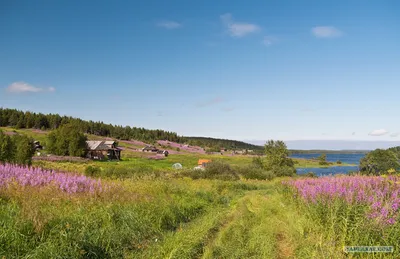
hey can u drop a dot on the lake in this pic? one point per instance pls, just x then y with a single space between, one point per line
345 158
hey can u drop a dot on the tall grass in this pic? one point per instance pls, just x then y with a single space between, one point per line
350 210
126 219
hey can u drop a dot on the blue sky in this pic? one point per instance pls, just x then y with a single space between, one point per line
290 70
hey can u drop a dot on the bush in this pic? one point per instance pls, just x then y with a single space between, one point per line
16 149
283 170
92 171
339 162
256 173
214 170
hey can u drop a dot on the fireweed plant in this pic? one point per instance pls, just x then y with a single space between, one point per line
31 176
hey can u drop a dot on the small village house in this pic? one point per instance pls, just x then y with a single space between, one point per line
203 162
101 150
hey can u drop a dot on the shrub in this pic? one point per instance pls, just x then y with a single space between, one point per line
257 173
214 170
339 162
283 170
92 171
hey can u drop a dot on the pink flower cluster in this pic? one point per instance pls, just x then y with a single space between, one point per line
31 176
380 194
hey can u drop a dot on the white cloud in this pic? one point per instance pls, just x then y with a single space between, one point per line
170 25
353 134
326 32
238 29
379 132
22 87
269 40
396 134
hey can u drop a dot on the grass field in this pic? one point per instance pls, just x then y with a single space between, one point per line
168 217
141 208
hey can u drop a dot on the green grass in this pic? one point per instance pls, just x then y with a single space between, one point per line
167 217
140 160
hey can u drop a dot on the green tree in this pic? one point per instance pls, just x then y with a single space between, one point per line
322 159
23 150
6 148
378 162
67 141
277 159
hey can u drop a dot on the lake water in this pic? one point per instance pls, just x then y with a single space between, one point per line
345 158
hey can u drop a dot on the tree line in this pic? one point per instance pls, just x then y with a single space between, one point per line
31 120
16 149
215 145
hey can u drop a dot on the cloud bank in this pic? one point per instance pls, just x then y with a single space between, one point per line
237 29
378 132
326 32
22 87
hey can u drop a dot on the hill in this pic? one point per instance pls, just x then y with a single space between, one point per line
40 122
225 143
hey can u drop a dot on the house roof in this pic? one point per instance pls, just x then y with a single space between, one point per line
99 145
202 161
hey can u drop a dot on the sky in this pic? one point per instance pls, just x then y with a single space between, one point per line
258 70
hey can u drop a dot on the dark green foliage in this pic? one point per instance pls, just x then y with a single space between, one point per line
277 159
322 159
92 171
6 148
67 141
213 149
396 151
216 145
254 172
378 162
16 149
20 119
257 162
339 162
214 170
24 150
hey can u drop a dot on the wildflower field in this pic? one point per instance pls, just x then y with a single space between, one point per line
351 210
58 214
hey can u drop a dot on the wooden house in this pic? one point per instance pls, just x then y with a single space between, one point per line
101 150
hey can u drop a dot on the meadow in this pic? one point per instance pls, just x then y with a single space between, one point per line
52 214
142 208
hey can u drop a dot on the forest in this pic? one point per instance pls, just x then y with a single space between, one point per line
31 120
